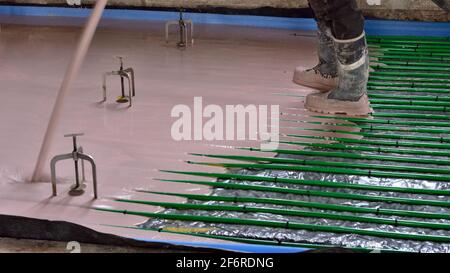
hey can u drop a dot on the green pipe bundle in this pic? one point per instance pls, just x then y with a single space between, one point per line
410 44
294 203
339 146
425 116
285 225
407 38
388 121
431 84
409 98
409 68
397 143
291 161
411 116
373 87
373 127
356 156
384 135
407 41
412 51
411 102
410 48
411 108
409 82
390 57
273 242
378 98
318 183
405 57
402 102
289 212
388 115
410 63
411 74
334 170
338 121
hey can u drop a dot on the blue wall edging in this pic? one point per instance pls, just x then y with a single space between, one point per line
373 27
237 247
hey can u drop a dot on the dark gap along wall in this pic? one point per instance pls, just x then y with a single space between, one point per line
423 10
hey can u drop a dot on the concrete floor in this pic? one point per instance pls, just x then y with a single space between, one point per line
227 65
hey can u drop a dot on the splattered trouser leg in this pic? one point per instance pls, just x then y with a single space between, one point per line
341 16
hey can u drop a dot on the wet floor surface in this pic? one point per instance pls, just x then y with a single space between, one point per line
226 66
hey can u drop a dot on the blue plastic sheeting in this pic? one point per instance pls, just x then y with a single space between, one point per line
243 248
373 27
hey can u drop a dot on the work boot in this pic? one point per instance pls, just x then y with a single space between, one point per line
323 76
350 96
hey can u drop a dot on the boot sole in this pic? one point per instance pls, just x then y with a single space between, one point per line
330 106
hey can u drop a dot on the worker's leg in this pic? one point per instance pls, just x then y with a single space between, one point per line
347 27
345 19
324 76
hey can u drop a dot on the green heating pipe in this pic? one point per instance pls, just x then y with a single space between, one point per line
407 38
318 183
377 98
410 51
419 48
378 142
432 161
390 115
290 212
409 98
388 121
410 47
371 127
339 146
414 58
406 53
339 121
297 203
409 63
407 89
334 170
376 127
412 102
384 135
411 116
411 74
269 242
284 224
411 68
444 83
408 83
387 52
377 53
292 161
328 194
411 108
